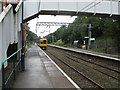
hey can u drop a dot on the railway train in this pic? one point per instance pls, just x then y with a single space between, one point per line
43 43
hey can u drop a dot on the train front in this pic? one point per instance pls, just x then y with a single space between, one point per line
43 44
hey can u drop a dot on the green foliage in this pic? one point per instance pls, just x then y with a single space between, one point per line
59 43
106 32
32 37
98 50
49 37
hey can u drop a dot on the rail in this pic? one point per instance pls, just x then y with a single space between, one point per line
86 53
13 72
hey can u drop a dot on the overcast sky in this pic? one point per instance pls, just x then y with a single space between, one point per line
48 18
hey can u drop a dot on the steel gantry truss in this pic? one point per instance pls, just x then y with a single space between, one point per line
48 24
58 24
52 24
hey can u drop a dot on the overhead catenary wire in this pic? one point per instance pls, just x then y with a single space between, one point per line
39 5
38 16
112 0
44 29
88 5
92 6
83 9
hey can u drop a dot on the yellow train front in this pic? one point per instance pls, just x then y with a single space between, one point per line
43 44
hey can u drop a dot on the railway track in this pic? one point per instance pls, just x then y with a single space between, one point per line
87 68
78 60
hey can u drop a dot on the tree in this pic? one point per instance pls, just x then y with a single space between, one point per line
32 37
102 30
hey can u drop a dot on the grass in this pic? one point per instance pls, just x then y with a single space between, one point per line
98 50
102 44
59 43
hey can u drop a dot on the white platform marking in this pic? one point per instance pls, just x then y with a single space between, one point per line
62 72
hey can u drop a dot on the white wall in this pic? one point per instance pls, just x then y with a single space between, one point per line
9 31
0 43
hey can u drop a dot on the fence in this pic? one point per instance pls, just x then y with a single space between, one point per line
13 72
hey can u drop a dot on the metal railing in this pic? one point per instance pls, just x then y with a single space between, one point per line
13 72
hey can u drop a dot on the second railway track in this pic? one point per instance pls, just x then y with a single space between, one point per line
95 74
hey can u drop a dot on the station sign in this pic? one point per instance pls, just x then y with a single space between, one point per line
92 39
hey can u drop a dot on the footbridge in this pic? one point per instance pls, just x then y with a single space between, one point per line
101 8
14 14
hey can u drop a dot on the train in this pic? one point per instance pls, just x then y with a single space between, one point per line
43 43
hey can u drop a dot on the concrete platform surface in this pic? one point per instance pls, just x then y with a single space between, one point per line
40 72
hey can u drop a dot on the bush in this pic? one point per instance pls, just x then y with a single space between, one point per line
98 50
59 43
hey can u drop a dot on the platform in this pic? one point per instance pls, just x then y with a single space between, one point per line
41 72
87 52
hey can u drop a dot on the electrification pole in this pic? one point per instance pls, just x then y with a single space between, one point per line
52 38
89 35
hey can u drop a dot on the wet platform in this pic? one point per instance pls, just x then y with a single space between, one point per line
42 72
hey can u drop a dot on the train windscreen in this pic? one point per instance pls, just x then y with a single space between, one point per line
43 42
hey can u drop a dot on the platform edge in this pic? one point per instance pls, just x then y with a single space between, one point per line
74 84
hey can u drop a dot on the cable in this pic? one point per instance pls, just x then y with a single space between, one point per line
96 4
93 6
44 29
39 5
88 5
38 16
113 0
